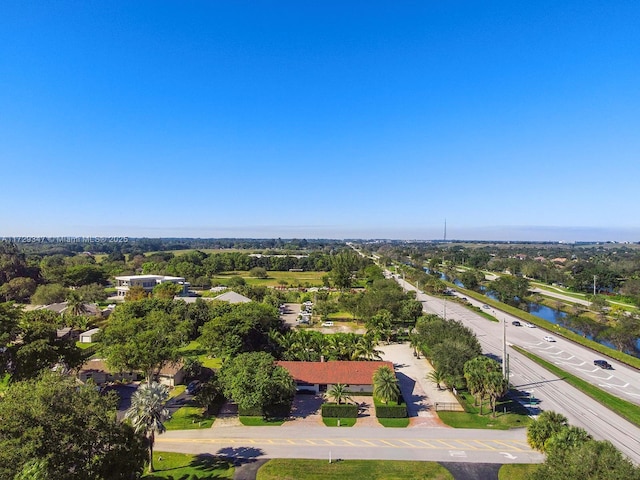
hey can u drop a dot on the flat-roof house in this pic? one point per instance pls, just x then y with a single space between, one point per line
321 376
148 282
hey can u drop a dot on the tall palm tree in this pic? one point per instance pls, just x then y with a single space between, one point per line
338 392
148 413
385 385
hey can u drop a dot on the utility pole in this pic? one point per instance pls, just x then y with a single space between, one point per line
594 285
504 347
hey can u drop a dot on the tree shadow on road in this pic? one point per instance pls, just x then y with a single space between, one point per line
240 455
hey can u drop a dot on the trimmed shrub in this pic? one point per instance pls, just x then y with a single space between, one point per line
333 410
392 409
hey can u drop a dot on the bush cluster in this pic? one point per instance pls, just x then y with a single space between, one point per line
333 410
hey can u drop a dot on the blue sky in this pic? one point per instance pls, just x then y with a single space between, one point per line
513 120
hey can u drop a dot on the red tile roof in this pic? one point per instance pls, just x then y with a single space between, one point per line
348 373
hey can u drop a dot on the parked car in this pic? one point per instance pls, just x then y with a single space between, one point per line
193 387
529 325
603 364
327 324
549 338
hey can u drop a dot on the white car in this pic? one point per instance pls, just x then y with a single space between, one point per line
327 324
486 307
549 339
529 325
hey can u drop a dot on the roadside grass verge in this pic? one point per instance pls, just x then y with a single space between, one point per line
509 414
555 329
298 469
260 421
344 422
394 422
517 471
189 418
169 466
625 409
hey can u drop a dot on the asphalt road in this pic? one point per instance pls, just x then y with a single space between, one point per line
553 393
320 442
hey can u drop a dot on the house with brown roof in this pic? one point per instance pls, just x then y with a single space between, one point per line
172 374
98 371
321 376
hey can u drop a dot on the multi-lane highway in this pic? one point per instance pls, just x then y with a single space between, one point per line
553 393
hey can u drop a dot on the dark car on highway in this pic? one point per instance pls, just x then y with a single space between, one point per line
603 364
516 323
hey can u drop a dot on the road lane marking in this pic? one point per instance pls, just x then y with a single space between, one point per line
465 444
369 443
350 443
427 444
484 445
508 445
445 444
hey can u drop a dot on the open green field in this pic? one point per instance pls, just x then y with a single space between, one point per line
293 469
293 279
174 466
509 414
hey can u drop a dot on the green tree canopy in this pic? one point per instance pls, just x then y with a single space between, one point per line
254 381
70 431
385 385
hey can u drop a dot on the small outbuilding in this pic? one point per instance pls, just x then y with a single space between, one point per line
88 336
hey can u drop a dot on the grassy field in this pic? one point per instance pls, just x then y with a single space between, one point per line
515 416
189 418
285 469
623 408
174 466
344 422
293 279
177 390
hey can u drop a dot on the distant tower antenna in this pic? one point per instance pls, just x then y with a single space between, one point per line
445 229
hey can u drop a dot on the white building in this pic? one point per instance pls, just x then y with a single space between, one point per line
148 282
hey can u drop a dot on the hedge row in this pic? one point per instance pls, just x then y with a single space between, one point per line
391 411
333 410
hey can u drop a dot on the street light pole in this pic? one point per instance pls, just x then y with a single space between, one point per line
504 347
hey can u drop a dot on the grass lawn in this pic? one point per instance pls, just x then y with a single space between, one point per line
516 471
84 345
189 418
260 421
177 390
274 279
294 469
515 416
394 422
174 466
344 422
194 349
622 407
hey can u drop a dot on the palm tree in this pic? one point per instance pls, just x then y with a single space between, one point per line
148 413
366 348
437 377
75 304
338 392
496 387
385 385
